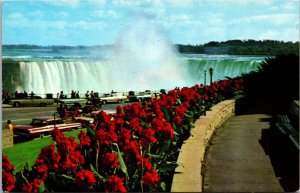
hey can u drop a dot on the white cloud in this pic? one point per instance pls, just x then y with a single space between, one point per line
16 15
88 25
97 2
276 19
37 14
291 5
180 3
180 18
244 2
287 34
63 15
71 3
105 13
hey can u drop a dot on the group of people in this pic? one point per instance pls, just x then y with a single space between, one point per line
74 95
91 95
22 95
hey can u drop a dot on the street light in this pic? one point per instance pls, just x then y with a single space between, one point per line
211 74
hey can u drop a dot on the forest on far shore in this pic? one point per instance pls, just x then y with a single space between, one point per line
232 47
243 47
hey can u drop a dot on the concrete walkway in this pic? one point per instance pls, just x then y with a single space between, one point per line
236 161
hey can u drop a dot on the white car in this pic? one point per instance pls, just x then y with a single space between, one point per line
114 97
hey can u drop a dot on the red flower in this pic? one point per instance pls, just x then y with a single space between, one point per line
114 184
85 178
168 130
144 163
125 136
42 171
76 157
134 123
33 186
105 138
148 134
130 150
110 160
27 188
206 98
8 181
84 139
151 178
6 164
177 120
180 110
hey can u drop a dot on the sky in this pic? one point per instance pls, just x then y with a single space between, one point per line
100 22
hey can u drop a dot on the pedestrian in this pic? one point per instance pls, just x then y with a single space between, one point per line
87 94
31 95
9 126
77 94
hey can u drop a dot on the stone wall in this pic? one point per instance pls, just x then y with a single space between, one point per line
7 138
187 177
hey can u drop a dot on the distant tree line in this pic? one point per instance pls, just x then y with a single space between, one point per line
234 47
243 47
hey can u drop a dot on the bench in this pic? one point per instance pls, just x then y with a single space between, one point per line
284 126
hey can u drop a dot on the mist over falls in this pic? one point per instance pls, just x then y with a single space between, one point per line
141 58
145 59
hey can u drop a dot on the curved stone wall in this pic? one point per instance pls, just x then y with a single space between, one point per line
187 177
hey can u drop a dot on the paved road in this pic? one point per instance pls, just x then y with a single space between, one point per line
236 161
23 115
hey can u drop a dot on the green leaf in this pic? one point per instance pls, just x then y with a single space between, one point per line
145 124
97 174
163 186
153 156
67 177
167 114
121 161
90 131
42 187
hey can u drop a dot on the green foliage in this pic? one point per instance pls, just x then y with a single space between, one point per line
277 81
245 47
11 72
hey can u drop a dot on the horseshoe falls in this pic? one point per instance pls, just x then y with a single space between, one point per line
102 74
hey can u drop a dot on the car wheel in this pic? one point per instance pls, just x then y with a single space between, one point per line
104 102
17 104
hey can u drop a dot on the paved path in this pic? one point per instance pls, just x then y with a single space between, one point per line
236 161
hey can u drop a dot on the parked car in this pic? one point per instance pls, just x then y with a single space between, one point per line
140 96
41 126
114 97
29 101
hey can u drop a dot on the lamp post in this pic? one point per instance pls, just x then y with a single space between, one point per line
211 74
204 77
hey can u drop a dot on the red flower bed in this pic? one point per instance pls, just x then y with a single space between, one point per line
133 150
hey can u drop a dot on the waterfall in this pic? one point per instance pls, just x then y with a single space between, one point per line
53 76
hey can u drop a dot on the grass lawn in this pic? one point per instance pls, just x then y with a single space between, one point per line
21 153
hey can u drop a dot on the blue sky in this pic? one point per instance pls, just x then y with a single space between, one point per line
99 22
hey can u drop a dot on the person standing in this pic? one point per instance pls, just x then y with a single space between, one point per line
9 126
